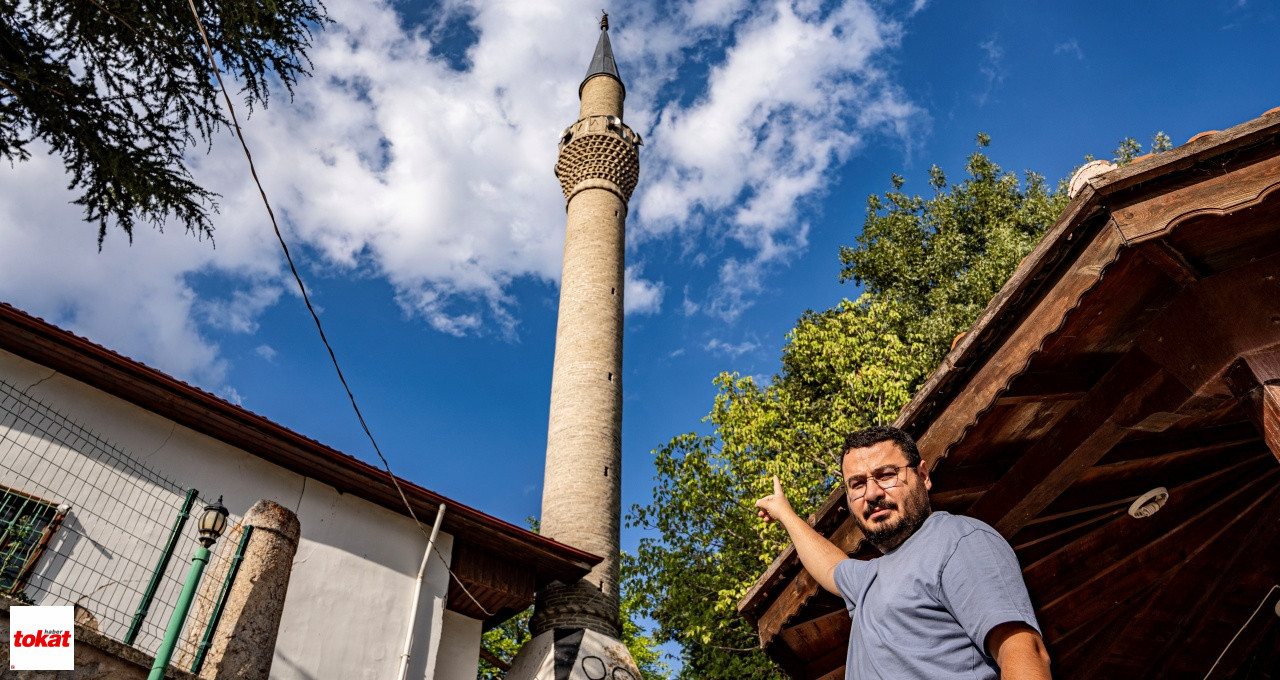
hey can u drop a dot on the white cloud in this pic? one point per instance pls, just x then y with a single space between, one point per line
991 68
266 352
1070 48
717 346
133 299
240 313
688 307
714 13
641 296
390 163
793 98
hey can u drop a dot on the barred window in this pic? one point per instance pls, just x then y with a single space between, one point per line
26 525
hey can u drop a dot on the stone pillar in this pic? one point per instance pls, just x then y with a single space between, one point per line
244 643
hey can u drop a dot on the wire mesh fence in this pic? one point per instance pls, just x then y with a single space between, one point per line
83 523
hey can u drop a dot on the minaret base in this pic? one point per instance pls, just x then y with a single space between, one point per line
580 604
573 654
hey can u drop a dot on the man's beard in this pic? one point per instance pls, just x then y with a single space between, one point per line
886 536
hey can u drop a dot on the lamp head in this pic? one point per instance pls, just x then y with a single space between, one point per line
212 523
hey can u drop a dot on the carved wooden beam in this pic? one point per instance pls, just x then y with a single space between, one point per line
1231 190
1255 380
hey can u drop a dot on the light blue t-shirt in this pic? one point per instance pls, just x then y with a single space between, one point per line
924 609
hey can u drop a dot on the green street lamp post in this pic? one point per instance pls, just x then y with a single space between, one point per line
212 523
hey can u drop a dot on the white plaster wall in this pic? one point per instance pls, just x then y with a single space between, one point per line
354 574
459 648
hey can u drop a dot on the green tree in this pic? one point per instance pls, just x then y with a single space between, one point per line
1130 148
504 641
927 266
939 260
121 90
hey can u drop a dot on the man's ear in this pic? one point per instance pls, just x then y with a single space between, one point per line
923 469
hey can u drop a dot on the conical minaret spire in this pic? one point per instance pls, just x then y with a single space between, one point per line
577 623
603 63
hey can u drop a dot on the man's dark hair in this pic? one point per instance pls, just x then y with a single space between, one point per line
874 435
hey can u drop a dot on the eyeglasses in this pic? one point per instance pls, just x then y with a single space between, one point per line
886 477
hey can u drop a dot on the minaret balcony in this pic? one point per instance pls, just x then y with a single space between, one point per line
601 151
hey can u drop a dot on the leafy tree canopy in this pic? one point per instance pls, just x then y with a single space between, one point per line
121 89
927 267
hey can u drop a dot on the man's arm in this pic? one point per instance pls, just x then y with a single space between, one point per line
818 555
1019 652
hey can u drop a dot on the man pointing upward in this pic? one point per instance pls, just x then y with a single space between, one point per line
946 600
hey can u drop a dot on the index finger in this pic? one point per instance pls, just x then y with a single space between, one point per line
777 486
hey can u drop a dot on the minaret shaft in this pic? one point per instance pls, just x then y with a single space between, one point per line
582 487
581 498
602 95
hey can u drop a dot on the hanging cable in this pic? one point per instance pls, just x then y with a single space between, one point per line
306 299
1238 632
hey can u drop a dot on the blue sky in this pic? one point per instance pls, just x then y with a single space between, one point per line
413 174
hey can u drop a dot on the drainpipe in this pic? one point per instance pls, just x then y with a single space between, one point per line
417 594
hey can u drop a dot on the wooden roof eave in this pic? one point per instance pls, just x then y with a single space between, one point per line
974 358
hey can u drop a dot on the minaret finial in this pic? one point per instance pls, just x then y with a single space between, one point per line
602 64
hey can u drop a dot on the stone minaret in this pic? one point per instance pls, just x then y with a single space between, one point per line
581 499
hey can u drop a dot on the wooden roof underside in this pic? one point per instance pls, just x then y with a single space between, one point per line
1138 346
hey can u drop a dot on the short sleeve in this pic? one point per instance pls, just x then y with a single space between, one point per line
848 577
982 586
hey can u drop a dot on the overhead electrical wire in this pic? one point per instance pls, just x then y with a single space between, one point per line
1248 621
208 50
302 287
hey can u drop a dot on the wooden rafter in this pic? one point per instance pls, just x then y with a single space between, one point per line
1172 262
1221 572
1162 444
1106 586
1076 565
1255 644
1104 483
1080 653
1042 386
1131 391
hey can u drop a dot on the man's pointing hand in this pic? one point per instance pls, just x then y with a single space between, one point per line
818 555
774 506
